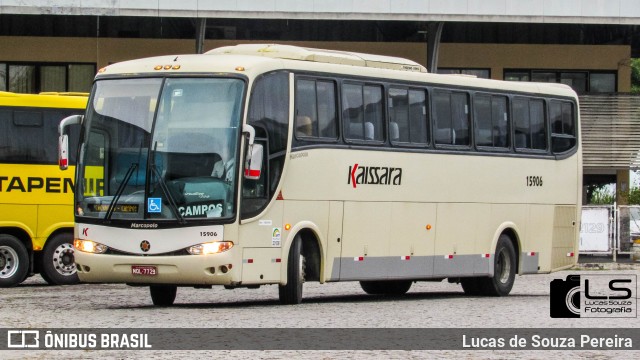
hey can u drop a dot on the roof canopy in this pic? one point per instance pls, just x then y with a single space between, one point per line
525 11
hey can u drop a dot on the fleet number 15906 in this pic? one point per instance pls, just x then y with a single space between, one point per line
534 180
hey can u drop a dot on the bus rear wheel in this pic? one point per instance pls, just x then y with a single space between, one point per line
504 273
14 261
163 295
386 287
58 263
291 293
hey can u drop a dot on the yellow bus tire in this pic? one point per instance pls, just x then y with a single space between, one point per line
58 266
14 261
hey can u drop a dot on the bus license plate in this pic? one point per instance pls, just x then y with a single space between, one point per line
144 270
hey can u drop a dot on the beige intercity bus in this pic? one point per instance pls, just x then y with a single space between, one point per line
267 164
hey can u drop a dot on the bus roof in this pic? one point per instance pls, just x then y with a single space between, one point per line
255 59
62 100
321 55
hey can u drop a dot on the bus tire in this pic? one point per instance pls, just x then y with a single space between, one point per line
471 286
386 287
14 261
58 266
504 272
163 295
291 293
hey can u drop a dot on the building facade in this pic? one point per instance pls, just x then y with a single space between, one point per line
587 44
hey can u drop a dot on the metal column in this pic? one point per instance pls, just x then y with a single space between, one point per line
201 27
434 32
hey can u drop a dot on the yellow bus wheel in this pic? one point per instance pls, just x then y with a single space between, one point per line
58 266
14 261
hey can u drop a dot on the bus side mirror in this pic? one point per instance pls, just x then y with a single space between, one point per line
253 162
63 140
253 166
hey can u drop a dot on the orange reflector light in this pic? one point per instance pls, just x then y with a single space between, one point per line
158 67
239 68
428 226
287 227
167 67
176 67
102 70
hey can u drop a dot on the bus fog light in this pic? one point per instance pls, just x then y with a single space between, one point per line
210 248
89 246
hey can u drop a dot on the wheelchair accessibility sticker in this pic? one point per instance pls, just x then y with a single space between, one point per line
154 205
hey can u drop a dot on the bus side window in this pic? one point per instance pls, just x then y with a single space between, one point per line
563 136
538 128
491 120
269 114
407 116
521 122
529 119
443 132
362 112
316 111
352 112
30 136
460 118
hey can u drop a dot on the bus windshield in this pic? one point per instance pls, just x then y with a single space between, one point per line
165 149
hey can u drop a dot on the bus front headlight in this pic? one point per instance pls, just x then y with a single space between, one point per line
215 247
89 246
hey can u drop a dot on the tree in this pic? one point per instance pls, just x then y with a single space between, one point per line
635 76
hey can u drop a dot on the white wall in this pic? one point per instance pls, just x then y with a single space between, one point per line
553 11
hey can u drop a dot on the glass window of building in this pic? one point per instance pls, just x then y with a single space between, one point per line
580 81
3 77
602 83
44 77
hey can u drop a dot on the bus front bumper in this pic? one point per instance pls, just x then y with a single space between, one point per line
217 269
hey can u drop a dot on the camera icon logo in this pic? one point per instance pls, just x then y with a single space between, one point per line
565 298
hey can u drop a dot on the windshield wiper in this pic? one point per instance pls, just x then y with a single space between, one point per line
125 181
165 189
163 185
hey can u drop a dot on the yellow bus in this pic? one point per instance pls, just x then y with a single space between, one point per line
36 198
267 164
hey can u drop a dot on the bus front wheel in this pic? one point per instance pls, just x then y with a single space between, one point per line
292 292
14 261
58 266
163 295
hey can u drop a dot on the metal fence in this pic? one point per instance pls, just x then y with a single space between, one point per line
609 229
